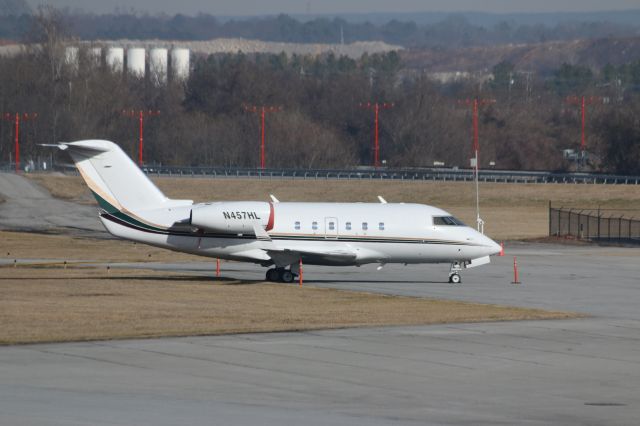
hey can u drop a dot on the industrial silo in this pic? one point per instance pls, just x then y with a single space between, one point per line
94 55
115 58
180 65
71 57
158 65
136 61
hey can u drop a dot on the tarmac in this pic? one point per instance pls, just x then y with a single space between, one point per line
29 207
572 372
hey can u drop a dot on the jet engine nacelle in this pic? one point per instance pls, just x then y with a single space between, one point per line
237 217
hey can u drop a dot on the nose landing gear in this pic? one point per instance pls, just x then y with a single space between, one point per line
454 273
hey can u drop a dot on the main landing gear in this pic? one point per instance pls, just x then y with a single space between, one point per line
454 273
280 275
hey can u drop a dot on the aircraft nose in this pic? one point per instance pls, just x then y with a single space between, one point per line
486 246
493 248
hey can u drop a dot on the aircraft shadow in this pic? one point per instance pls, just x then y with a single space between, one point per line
373 282
209 279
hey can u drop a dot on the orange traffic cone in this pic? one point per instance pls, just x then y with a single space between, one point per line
516 275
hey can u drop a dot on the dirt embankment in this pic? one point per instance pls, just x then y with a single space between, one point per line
542 58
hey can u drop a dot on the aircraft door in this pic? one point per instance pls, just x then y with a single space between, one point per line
331 227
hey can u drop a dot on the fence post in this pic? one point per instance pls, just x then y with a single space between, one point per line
620 228
630 220
550 218
569 224
580 224
599 222
559 218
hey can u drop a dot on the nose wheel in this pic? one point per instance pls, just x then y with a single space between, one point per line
454 273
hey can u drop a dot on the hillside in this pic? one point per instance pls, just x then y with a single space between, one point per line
542 58
14 7
234 45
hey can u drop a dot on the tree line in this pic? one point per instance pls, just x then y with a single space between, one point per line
320 123
451 32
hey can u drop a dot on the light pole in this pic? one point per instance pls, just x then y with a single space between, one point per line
263 110
140 115
376 139
16 117
583 101
475 104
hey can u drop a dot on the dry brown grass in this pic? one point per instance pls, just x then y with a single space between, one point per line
511 211
47 305
22 245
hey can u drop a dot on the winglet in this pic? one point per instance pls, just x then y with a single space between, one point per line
261 234
382 200
273 198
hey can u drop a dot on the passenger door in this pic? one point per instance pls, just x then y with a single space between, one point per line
331 227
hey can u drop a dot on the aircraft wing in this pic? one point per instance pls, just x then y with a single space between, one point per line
285 257
335 256
288 256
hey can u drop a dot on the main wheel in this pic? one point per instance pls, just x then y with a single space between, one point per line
286 276
272 275
455 279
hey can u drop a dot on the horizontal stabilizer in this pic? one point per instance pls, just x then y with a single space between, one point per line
80 146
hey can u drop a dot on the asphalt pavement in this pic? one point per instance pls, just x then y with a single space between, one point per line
29 207
573 372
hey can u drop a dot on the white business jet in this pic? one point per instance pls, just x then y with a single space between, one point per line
274 234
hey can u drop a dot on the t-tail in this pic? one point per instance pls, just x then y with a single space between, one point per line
122 190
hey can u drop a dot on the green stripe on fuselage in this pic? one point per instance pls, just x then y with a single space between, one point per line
112 210
104 204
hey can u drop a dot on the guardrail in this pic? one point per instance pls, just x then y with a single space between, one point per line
435 174
398 174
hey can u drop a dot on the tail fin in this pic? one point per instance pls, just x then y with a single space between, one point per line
115 180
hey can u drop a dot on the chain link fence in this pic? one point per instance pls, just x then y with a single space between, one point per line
606 225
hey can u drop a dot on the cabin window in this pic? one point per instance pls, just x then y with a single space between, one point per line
332 226
365 226
297 226
447 221
381 226
314 226
347 226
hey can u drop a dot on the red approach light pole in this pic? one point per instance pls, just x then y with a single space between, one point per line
16 119
263 110
376 140
140 115
475 104
583 101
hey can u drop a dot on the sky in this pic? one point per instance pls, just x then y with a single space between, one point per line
264 7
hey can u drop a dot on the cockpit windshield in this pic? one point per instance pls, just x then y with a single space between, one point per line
447 221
